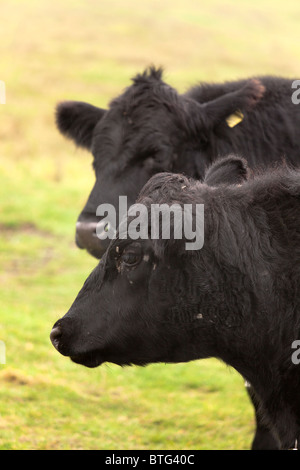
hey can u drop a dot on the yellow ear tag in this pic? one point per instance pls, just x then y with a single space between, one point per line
235 118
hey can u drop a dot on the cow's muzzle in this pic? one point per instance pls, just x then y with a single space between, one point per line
62 339
87 238
55 336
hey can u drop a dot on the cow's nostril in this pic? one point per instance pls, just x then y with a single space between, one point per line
55 336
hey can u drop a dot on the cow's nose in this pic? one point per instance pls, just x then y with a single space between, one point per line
55 336
86 238
86 234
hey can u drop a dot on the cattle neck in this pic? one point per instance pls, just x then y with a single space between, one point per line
273 394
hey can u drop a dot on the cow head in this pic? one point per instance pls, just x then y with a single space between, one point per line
149 129
141 303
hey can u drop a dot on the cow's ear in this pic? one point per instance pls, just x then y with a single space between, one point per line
228 170
77 120
230 107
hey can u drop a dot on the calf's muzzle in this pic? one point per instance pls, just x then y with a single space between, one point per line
87 238
55 336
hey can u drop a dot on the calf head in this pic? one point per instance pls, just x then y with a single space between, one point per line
147 300
149 129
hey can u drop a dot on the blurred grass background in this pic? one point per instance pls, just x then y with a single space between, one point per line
89 50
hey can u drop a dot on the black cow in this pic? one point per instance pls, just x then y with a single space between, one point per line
151 128
236 299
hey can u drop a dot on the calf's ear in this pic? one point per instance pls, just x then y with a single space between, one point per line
77 120
229 170
230 107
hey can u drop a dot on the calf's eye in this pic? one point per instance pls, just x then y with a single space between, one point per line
130 258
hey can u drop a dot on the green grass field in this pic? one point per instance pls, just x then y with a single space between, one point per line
89 50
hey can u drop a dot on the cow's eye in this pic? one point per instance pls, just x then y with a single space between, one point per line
130 258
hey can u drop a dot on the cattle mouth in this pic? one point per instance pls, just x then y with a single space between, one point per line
97 251
90 360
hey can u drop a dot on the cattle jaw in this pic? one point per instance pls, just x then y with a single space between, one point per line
93 359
